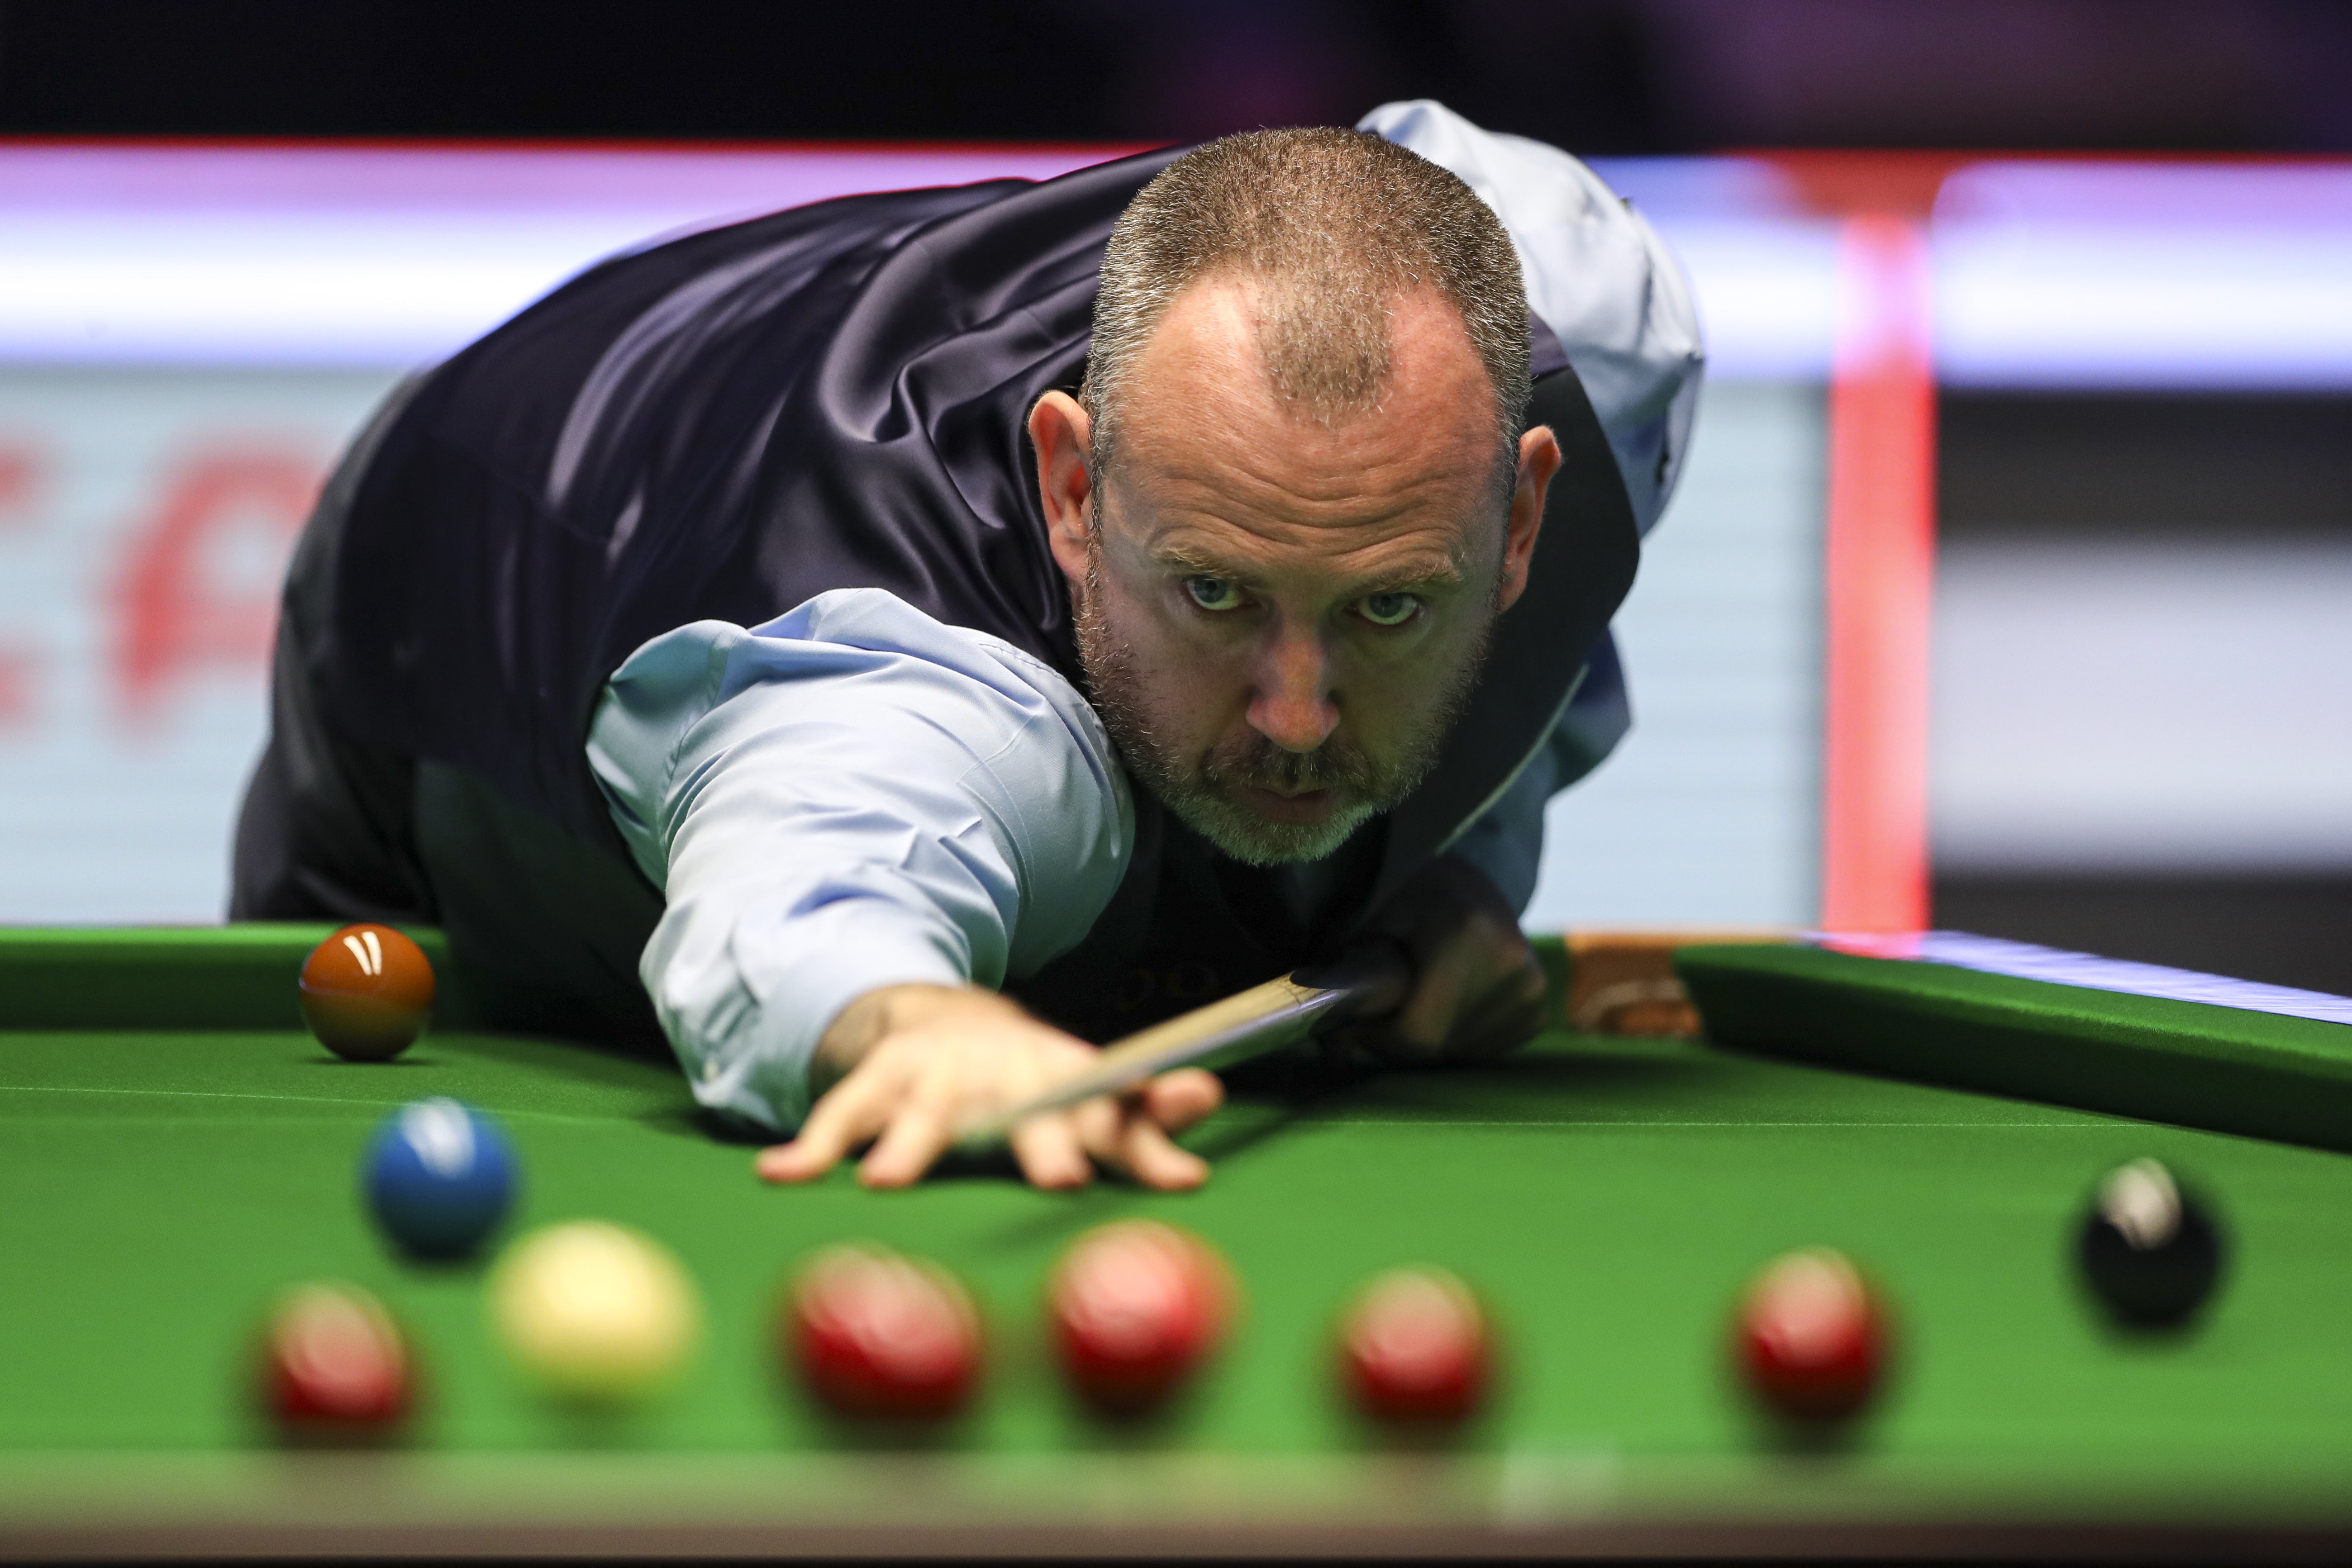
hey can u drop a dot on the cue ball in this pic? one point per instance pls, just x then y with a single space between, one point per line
876 1336
1811 1338
1136 1308
367 992
2149 1250
598 1316
439 1177
1415 1349
334 1364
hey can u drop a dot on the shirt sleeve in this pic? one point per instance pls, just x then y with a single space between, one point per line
1600 277
1596 274
851 796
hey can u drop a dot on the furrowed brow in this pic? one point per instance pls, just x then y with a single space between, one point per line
1435 573
1424 572
1177 557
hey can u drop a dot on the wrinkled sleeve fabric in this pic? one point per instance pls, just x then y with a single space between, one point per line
851 796
1597 276
1600 277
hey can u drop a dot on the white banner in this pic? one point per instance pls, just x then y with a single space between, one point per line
145 517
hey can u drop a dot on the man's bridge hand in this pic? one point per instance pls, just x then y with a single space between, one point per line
1477 990
912 1067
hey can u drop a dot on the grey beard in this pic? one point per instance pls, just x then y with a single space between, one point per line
1200 794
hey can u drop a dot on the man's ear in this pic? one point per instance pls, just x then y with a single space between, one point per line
1060 432
1538 461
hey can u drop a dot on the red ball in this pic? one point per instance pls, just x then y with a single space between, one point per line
1415 1348
334 1364
1136 1307
367 991
878 1336
1812 1338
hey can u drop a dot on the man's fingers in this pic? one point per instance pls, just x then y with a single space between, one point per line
1145 1152
910 1099
1502 1023
854 1113
1177 1099
1429 1015
913 1142
1095 1123
1481 994
1122 1136
1050 1153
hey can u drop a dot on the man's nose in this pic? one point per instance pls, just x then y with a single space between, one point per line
1292 705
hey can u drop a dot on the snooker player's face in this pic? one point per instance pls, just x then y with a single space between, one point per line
1281 617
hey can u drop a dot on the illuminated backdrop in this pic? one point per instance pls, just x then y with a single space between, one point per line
187 332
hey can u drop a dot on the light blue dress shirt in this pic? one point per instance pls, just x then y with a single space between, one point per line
848 796
854 795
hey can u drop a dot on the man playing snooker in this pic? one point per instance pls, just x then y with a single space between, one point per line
885 643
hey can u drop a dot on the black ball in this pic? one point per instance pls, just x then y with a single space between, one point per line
2149 1250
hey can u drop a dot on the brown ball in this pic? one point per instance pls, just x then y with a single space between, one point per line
367 992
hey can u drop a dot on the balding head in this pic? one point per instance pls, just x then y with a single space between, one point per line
1322 230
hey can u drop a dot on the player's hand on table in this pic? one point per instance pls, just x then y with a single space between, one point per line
913 1066
1477 989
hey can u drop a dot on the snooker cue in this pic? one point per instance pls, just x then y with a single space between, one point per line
1370 980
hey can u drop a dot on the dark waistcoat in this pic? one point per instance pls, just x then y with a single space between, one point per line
724 425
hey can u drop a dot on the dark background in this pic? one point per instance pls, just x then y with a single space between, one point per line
2245 469
1593 76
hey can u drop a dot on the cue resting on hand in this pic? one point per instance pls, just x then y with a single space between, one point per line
1369 981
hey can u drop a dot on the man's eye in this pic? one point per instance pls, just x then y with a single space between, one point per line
1388 608
1214 593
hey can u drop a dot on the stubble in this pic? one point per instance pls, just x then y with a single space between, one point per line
1203 790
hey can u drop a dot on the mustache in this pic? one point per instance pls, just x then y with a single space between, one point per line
1258 763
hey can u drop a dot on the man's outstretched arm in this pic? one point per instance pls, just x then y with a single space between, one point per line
862 822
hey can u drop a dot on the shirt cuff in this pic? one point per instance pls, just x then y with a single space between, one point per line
752 1040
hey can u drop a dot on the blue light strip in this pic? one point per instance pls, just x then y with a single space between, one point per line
2025 961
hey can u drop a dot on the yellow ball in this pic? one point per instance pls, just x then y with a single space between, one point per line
597 1315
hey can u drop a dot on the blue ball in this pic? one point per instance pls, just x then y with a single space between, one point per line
440 1176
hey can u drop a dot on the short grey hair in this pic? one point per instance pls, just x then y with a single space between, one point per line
1334 225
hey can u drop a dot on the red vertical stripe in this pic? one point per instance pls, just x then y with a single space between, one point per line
1881 583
